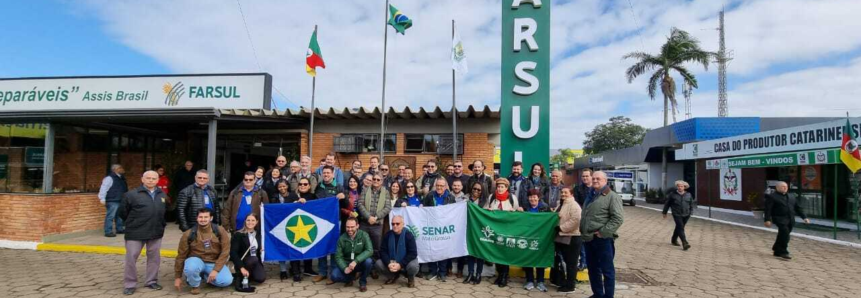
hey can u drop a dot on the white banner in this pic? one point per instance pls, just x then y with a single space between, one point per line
440 232
730 184
230 91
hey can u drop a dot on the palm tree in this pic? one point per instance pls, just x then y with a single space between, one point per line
679 49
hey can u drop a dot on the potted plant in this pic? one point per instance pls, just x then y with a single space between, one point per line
755 205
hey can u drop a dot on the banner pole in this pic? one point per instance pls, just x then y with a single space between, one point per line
835 202
313 93
453 107
383 106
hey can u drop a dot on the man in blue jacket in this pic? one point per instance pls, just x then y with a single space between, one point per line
398 254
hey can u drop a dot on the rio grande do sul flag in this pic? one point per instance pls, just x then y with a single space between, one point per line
300 231
313 57
511 238
440 231
849 152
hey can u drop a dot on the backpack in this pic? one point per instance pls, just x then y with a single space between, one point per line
193 235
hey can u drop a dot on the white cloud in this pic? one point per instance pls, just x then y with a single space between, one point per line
588 39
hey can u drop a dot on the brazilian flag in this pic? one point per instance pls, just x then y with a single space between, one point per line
398 20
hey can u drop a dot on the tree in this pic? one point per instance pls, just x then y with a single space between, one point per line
680 48
619 133
563 156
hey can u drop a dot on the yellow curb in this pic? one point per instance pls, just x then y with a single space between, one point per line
95 249
582 276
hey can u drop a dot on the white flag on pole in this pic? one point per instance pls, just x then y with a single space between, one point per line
440 232
458 56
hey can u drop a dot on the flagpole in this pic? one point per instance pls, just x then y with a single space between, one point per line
453 106
383 107
313 93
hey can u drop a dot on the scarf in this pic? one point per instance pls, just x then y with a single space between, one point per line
501 198
398 253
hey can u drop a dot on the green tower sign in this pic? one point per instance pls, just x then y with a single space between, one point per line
525 125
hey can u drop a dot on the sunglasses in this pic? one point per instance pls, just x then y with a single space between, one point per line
396 223
248 180
456 166
384 169
304 184
378 179
476 189
410 186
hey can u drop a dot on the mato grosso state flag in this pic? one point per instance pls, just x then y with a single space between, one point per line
849 153
398 20
512 238
300 231
313 58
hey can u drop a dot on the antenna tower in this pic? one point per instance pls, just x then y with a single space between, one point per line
722 58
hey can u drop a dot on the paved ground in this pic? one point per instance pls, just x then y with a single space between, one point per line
818 227
725 261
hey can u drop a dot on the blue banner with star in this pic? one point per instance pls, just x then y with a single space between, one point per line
300 231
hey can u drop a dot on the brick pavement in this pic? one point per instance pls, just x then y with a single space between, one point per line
725 261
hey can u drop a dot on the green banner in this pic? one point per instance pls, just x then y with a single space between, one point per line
815 157
525 121
511 238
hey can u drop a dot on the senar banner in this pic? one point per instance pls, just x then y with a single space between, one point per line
233 91
440 232
512 238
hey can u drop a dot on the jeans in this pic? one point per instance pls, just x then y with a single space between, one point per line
111 216
438 268
474 266
196 270
583 263
679 232
364 267
323 265
534 274
602 274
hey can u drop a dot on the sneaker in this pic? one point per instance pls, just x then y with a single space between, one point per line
310 273
318 278
430 277
111 235
442 278
541 287
195 291
128 291
154 286
529 286
566 290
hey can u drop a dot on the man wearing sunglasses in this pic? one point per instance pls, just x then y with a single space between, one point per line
241 202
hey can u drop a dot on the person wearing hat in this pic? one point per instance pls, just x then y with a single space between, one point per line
504 200
683 205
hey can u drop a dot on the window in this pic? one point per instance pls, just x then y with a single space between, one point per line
371 142
431 143
22 155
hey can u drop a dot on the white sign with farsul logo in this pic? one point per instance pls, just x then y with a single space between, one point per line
234 91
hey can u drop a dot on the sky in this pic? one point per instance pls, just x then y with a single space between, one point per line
791 58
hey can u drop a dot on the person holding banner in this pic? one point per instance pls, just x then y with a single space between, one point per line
410 197
438 197
354 246
329 187
374 205
568 241
283 197
399 255
474 266
602 217
504 201
534 276
351 199
302 196
245 252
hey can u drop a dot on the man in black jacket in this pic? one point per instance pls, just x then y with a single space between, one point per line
184 176
398 254
195 197
142 210
780 209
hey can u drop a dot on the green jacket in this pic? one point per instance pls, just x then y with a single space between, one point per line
604 214
360 247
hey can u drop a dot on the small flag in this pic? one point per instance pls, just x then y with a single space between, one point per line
313 58
398 20
458 56
849 153
300 231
